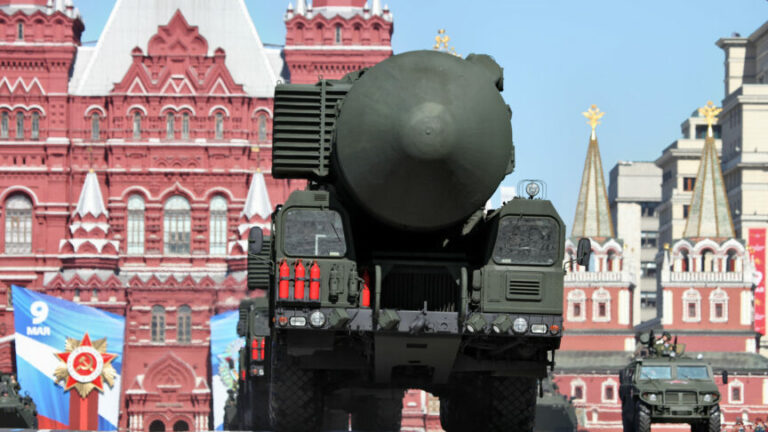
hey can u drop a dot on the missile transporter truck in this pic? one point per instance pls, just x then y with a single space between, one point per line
665 386
387 273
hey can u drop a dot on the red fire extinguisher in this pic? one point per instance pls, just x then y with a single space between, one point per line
285 282
314 282
298 286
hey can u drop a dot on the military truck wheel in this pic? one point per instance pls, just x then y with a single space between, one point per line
463 407
626 418
379 415
713 423
642 421
513 404
295 404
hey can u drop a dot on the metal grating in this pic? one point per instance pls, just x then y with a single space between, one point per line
302 130
523 290
409 291
681 398
259 266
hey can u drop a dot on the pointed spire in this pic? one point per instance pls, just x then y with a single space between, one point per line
91 200
376 9
257 202
301 7
593 216
709 214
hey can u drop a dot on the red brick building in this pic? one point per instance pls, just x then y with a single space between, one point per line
134 168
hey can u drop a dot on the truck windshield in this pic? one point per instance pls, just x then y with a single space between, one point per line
526 240
692 372
314 233
655 372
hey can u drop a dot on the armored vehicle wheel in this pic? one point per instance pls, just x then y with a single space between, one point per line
513 404
379 415
642 421
295 404
713 423
626 417
463 407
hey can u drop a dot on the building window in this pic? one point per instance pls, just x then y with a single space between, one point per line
135 225
718 306
19 125
183 327
177 226
649 239
707 260
338 35
169 125
136 126
158 324
576 302
20 31
262 126
4 125
736 392
684 261
609 393
95 127
219 126
76 295
685 210
18 225
35 126
94 295
601 301
648 209
689 183
185 126
731 258
692 305
218 228
577 391
648 269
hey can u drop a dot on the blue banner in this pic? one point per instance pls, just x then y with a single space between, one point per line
225 356
47 361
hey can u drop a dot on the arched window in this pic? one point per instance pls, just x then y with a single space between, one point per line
18 225
261 124
185 126
218 228
177 226
183 325
95 127
20 31
136 125
19 125
610 258
691 306
158 324
170 121
707 260
4 124
76 295
35 126
219 125
135 227
601 306
180 426
684 261
338 34
94 295
731 258
718 306
157 426
576 305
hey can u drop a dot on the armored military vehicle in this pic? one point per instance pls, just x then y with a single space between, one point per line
16 411
387 273
554 411
662 385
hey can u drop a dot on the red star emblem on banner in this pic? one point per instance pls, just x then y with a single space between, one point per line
86 365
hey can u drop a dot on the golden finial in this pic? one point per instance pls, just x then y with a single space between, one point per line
593 114
441 43
710 112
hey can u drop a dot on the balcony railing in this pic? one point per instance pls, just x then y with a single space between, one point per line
734 277
598 277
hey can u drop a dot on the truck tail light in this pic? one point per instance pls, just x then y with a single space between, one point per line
365 297
298 286
284 285
314 282
257 349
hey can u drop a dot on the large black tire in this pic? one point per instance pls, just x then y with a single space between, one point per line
713 423
379 415
513 404
464 406
626 417
295 403
252 411
642 417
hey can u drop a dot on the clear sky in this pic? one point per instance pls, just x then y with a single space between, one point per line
647 64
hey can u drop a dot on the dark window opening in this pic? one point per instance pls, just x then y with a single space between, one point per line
609 393
577 310
689 183
19 125
185 126
4 125
578 392
169 125
35 126
95 127
602 310
158 324
719 310
685 210
736 394
691 310
20 31
180 426
157 426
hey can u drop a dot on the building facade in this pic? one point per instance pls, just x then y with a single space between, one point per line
134 169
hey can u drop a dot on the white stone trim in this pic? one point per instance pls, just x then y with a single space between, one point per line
338 47
20 80
612 383
629 344
218 107
745 317
135 106
751 345
736 384
579 383
601 295
667 316
765 391
264 109
623 310
691 296
25 107
95 107
577 296
178 109
718 296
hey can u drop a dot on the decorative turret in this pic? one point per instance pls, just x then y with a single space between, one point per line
709 215
593 216
256 213
89 245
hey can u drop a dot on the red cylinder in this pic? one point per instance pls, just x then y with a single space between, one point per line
314 282
285 283
365 296
298 286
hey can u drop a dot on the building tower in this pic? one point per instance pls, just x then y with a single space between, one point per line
330 38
